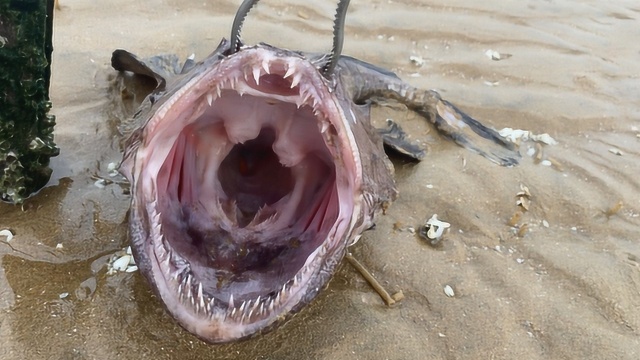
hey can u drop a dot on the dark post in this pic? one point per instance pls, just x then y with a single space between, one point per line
26 129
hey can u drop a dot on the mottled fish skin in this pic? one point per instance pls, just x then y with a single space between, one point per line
352 88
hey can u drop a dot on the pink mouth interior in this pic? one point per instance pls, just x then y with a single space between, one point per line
248 190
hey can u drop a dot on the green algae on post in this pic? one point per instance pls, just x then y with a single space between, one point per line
26 128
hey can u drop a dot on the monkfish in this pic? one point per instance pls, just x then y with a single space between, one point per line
254 169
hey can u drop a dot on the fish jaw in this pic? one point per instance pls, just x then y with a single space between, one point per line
246 189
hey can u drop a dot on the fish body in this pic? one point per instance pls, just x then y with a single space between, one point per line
251 172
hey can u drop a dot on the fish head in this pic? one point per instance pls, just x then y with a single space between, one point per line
247 186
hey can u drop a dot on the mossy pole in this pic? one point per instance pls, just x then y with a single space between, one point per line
26 128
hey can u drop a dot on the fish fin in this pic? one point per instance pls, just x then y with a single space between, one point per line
395 139
122 60
374 84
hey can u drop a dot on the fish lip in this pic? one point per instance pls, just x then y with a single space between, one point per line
223 321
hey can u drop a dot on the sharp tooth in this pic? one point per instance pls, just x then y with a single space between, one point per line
265 66
296 80
218 91
261 309
271 305
256 75
180 290
242 306
290 71
233 312
201 296
231 302
209 98
325 127
192 57
156 218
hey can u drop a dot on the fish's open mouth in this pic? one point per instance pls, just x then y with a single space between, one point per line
246 181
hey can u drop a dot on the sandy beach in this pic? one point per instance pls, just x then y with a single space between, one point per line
561 282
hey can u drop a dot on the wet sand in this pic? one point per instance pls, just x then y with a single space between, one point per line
566 291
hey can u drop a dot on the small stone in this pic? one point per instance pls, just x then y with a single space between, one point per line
59 246
63 295
545 223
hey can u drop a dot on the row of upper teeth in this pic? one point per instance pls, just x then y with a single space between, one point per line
308 95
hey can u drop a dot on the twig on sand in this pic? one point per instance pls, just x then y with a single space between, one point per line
388 299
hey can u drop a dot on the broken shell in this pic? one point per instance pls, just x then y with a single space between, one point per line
121 263
524 191
436 227
448 290
7 233
616 151
524 202
416 60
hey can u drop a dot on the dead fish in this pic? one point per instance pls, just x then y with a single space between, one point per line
252 170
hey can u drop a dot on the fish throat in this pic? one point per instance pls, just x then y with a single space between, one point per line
248 177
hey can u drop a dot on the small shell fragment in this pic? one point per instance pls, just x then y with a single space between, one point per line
616 151
524 191
416 60
59 246
545 223
436 227
524 202
7 233
63 295
121 263
448 290
494 55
